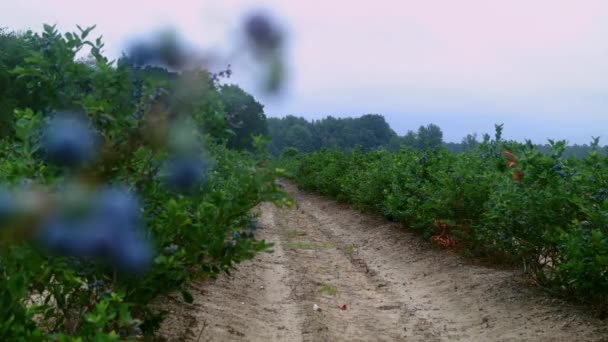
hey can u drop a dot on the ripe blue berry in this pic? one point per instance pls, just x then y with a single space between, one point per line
118 208
131 254
262 32
183 174
68 141
109 231
141 54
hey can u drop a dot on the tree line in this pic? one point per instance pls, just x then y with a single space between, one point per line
371 131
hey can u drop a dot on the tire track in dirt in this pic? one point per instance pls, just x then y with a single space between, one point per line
395 286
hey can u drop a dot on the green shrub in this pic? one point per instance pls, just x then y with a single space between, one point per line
503 201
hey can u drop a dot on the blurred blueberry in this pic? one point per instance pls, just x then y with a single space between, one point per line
171 53
164 50
142 54
118 208
132 255
108 232
558 167
8 208
262 32
68 141
57 235
183 174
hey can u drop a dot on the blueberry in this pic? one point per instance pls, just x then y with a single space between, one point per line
117 208
71 237
183 174
558 167
262 32
170 52
142 54
8 209
166 50
57 235
108 232
68 141
131 255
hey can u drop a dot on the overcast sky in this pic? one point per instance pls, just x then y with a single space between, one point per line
538 66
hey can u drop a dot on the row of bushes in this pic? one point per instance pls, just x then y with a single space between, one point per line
504 201
129 197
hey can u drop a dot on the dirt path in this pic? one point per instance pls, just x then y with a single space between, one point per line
395 286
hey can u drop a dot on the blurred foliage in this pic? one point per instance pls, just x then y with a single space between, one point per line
504 201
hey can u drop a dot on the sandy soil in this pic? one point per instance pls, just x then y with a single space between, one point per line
393 287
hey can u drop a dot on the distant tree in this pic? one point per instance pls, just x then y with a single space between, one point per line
429 136
299 137
469 142
410 139
368 131
372 131
245 116
278 129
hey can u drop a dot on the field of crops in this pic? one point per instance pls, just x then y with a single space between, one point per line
504 202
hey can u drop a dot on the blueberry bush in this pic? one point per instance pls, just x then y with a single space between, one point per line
119 190
503 201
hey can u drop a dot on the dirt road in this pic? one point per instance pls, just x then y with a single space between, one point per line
393 287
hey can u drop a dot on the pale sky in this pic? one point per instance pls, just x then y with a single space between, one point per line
538 66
